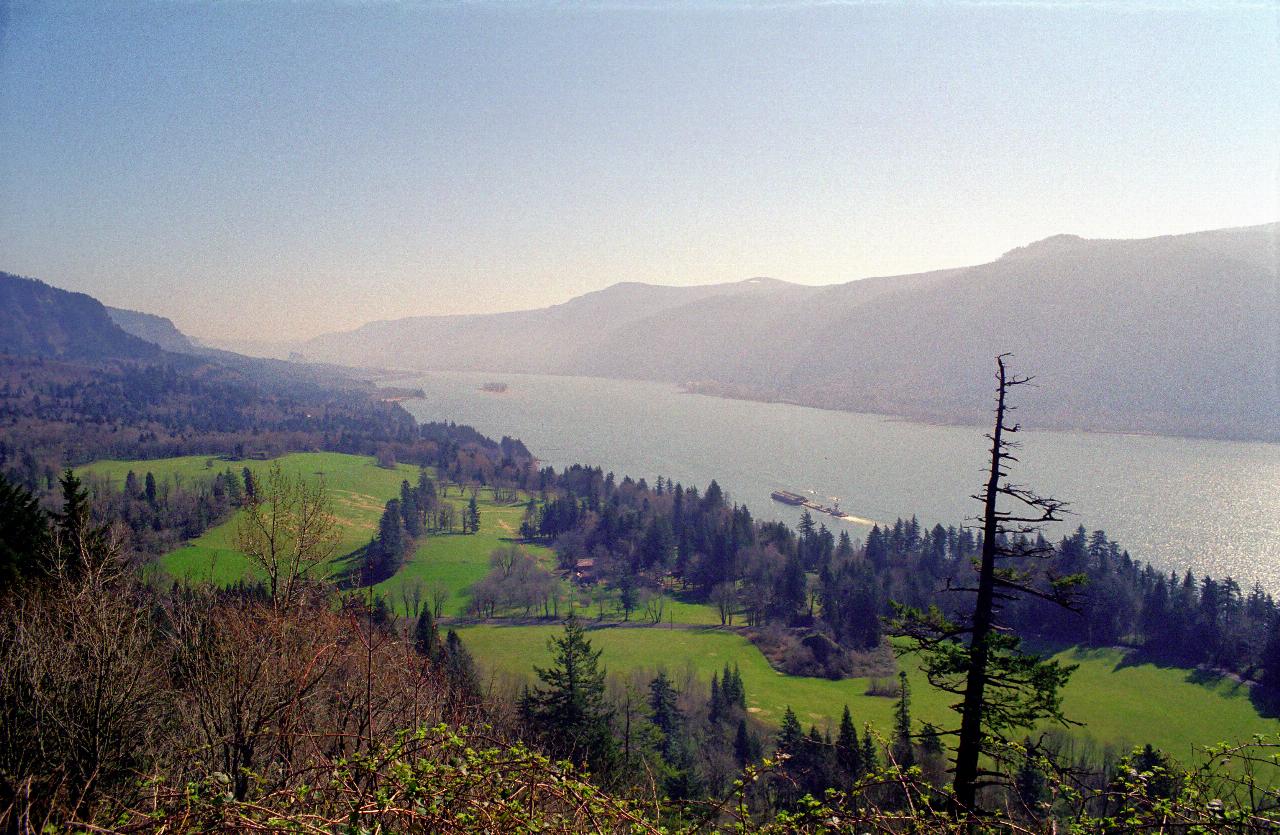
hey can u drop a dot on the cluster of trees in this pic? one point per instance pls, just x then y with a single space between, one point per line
516 582
646 728
403 521
162 513
637 536
58 413
418 511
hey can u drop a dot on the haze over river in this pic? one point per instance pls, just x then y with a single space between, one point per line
1211 506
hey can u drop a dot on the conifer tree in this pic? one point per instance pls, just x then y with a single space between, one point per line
870 759
568 713
790 735
848 754
460 669
77 537
903 749
150 490
1029 782
743 749
426 638
975 655
663 712
24 534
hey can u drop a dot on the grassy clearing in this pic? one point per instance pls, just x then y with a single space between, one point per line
1120 705
358 486
360 490
456 561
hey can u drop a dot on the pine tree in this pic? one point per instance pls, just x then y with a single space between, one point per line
1271 663
791 735
870 759
975 655
903 749
77 538
743 750
460 669
1029 781
848 755
426 638
569 713
662 704
24 534
473 515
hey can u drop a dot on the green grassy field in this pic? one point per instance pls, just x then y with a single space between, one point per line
360 490
455 560
358 487
1120 705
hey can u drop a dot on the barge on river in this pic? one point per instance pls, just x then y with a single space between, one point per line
798 500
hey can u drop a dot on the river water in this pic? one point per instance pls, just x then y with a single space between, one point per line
1211 506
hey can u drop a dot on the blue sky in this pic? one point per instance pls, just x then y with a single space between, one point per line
276 170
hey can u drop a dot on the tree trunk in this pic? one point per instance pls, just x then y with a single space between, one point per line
969 749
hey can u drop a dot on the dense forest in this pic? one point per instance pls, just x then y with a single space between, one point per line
832 593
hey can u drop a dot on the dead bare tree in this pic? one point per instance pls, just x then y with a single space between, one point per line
974 655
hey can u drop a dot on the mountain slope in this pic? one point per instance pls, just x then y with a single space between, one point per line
154 329
1175 335
42 321
552 340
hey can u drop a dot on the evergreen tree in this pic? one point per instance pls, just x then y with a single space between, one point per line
1029 782
790 735
662 704
410 515
150 490
870 759
426 638
568 713
903 748
473 515
77 538
743 749
460 669
24 534
663 712
848 754
1002 687
391 533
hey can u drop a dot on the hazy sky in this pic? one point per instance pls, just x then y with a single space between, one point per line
279 170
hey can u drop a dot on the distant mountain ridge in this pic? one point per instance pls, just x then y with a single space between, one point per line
1175 335
154 329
